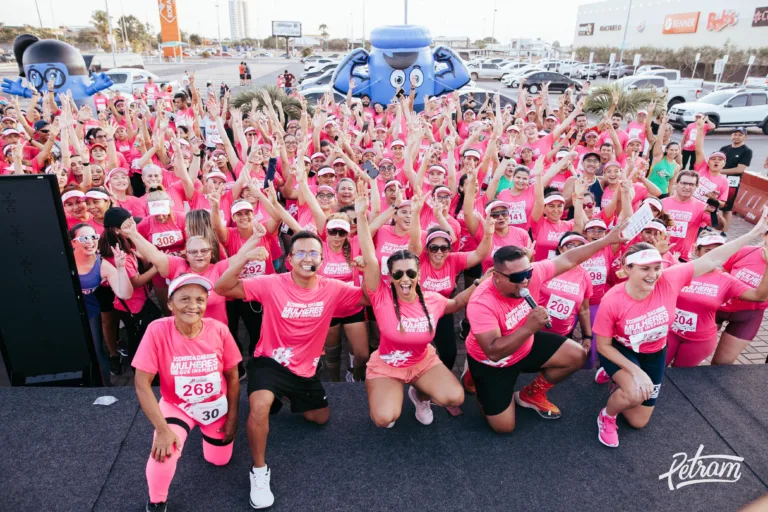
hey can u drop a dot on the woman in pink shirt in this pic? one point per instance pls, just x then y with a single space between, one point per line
520 195
694 332
633 324
407 317
712 183
196 360
97 201
117 182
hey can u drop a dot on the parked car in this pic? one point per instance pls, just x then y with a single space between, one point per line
311 58
312 94
756 81
742 106
485 72
317 72
322 79
7 57
99 62
312 66
647 68
677 92
126 80
480 95
587 71
619 70
509 79
557 81
568 67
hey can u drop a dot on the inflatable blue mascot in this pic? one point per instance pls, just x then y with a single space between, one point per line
398 55
41 61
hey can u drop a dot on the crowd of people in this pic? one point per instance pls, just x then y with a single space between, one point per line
377 224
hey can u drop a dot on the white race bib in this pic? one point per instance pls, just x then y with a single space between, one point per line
655 334
517 217
734 181
598 275
685 321
560 307
552 254
199 388
167 238
253 268
207 412
678 230
384 269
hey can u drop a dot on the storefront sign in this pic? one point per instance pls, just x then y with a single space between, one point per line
610 28
586 29
760 19
684 23
727 18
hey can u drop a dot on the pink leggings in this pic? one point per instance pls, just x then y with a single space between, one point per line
682 353
160 474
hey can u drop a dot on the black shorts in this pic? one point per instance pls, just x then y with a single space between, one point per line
732 193
106 298
242 76
247 76
652 364
305 394
495 386
351 319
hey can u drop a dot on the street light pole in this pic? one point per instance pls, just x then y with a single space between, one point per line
624 39
406 12
493 25
110 35
39 19
218 27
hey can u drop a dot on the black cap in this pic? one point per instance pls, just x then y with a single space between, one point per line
114 217
591 153
39 125
740 129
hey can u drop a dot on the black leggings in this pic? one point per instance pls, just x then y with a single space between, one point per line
689 156
470 275
445 340
251 313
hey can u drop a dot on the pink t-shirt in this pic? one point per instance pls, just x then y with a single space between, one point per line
466 241
139 297
547 235
521 206
152 91
689 136
636 129
296 320
597 269
191 369
748 266
515 236
217 308
563 295
606 137
710 183
643 325
541 146
427 220
388 243
335 265
488 310
688 217
407 347
133 205
698 303
442 280
169 236
255 267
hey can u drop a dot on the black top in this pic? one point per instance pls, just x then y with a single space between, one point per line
735 156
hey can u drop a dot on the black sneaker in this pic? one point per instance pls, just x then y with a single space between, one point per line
115 366
156 507
723 234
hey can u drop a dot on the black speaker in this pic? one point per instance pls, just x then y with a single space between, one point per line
45 337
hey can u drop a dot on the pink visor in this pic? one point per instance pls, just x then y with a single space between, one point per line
241 206
646 257
186 279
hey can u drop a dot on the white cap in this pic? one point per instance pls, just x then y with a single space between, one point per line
654 202
437 168
317 155
72 193
240 206
337 224
322 188
216 174
472 152
573 238
657 225
496 204
186 279
390 183
326 170
595 223
553 198
339 161
115 171
96 194
396 142
710 239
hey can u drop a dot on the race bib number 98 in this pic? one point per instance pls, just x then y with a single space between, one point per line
598 275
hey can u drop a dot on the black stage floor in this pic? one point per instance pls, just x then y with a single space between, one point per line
60 452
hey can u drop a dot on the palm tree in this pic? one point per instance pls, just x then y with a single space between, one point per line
324 34
291 106
601 96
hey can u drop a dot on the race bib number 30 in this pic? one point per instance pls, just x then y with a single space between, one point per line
560 307
208 412
197 389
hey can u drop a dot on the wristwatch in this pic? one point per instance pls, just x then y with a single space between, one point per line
476 282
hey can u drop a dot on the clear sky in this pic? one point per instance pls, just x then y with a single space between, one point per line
550 20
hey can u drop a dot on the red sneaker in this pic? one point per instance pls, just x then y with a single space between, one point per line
601 377
534 396
467 382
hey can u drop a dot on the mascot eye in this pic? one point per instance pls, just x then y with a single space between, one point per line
397 78
417 77
56 76
35 78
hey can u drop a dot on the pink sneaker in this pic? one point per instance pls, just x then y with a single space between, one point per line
601 377
607 431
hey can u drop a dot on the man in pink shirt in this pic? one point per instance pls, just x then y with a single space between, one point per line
298 309
152 90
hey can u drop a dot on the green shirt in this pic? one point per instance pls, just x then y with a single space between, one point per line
661 173
504 184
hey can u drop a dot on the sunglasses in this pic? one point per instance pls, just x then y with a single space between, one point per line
85 238
398 274
517 277
303 254
387 168
439 248
337 232
45 131
444 197
502 213
589 205
325 196
202 252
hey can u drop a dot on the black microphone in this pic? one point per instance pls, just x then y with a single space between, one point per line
524 293
313 268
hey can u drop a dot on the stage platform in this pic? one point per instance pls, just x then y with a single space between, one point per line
61 453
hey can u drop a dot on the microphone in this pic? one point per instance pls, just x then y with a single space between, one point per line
313 268
525 294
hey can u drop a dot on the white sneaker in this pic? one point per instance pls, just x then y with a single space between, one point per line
261 495
349 377
423 408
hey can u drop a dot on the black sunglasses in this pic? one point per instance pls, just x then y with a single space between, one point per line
337 232
439 248
501 213
398 274
517 277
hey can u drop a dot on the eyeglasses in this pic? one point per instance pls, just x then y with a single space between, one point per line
517 277
686 184
434 249
398 274
85 238
325 196
219 157
444 197
102 136
595 230
313 255
290 142
387 168
336 232
572 245
500 213
201 252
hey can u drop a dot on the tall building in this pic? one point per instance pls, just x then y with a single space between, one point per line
238 19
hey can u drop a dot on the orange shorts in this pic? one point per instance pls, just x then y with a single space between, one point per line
377 368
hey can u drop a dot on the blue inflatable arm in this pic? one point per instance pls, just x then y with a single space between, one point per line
348 69
100 82
16 88
453 75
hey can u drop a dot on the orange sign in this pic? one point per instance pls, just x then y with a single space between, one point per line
169 24
684 23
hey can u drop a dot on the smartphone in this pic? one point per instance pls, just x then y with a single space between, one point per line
270 175
370 169
365 126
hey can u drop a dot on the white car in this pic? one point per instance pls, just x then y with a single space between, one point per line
511 79
586 71
485 72
312 94
312 66
568 67
126 80
648 68
677 91
741 106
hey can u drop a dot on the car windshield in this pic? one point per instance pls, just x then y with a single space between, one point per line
716 98
118 78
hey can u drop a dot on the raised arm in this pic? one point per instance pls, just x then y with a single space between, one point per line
700 155
148 251
578 255
414 243
116 275
717 257
372 271
486 244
